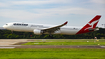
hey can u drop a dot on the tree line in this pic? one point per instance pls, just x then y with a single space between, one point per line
6 34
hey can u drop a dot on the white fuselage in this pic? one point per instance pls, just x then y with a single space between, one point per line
29 27
53 29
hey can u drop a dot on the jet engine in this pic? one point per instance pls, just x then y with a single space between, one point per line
37 31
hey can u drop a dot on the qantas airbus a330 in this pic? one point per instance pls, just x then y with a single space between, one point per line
40 29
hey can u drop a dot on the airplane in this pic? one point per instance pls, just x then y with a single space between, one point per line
40 29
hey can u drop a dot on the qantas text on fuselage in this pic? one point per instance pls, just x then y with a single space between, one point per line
40 29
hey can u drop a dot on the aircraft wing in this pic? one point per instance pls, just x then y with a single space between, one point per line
53 29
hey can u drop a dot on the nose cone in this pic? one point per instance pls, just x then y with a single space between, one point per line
8 26
4 26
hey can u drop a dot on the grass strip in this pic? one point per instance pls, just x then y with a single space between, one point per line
67 42
52 53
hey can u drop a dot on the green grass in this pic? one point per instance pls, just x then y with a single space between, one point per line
67 42
56 53
52 53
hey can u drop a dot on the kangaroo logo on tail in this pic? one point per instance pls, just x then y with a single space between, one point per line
90 25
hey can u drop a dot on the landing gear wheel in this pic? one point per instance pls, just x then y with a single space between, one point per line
51 36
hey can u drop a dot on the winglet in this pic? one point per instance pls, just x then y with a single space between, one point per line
65 22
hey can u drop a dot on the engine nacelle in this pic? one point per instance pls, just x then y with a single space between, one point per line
36 31
57 32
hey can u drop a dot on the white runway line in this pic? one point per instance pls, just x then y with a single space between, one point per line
103 46
10 45
7 47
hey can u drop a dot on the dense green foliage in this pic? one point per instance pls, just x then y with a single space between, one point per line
53 53
4 34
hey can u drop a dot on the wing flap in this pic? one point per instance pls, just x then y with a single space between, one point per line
53 29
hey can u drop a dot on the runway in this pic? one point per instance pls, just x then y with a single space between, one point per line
48 46
16 43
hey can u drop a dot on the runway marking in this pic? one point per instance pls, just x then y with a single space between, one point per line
10 45
44 46
7 47
103 46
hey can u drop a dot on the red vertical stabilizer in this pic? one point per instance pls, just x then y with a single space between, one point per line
90 26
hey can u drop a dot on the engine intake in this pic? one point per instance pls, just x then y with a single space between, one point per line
38 32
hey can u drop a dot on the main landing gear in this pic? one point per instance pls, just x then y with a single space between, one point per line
49 36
